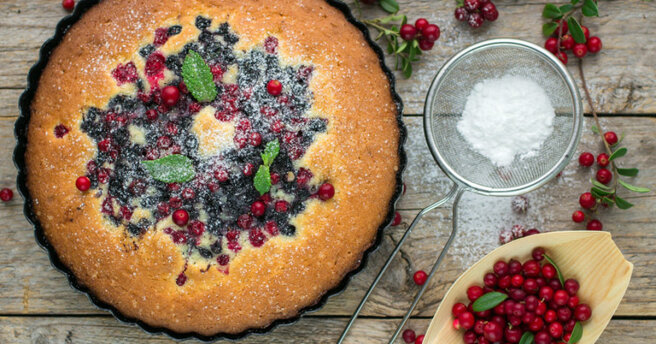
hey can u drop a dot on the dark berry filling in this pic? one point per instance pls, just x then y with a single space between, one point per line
268 101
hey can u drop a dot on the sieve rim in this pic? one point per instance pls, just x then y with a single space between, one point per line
520 189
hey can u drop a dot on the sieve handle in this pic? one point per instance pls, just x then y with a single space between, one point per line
455 191
454 230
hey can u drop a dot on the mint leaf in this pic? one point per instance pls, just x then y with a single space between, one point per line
174 168
577 333
549 28
575 29
262 180
618 154
488 301
551 11
270 152
390 6
198 77
527 338
627 172
622 203
560 275
590 8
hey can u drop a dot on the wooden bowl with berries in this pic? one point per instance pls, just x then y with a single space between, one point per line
551 288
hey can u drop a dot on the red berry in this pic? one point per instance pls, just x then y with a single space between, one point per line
594 44
458 309
68 5
397 219
247 170
6 194
594 225
548 271
419 339
425 44
281 206
274 87
244 221
501 268
567 42
582 312
546 293
258 208
586 159
461 14
408 32
578 216
490 280
82 183
531 268
326 191
255 139
272 228
560 297
551 44
587 201
536 325
538 254
610 137
431 32
256 237
421 23
170 95
586 32
151 114
604 176
517 280
550 316
196 228
409 336
490 12
565 28
474 292
572 286
180 217
420 277
493 331
556 330
602 160
562 56
573 302
475 20
472 5
466 320
580 50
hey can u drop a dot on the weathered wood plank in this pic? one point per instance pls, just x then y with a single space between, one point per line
31 286
309 330
621 76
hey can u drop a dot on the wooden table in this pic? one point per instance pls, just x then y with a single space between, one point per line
37 305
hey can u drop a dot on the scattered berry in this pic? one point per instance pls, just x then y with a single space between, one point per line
610 137
425 44
602 160
180 217
419 339
6 195
170 95
490 12
420 277
461 14
519 204
578 216
68 5
82 183
475 20
587 201
604 176
258 208
409 336
594 225
274 87
586 159
397 219
326 191
594 44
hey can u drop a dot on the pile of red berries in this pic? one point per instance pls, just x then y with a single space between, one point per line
535 301
592 44
475 12
424 32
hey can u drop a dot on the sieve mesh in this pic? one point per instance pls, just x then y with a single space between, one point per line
447 98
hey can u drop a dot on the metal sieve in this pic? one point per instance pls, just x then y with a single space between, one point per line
468 169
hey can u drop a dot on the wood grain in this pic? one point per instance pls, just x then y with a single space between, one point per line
310 330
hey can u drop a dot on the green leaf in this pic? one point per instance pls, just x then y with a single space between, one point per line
594 129
577 333
527 338
600 185
627 172
389 19
198 77
488 301
575 29
590 8
574 2
407 70
622 203
549 28
404 20
174 168
390 6
560 275
390 48
402 47
607 200
460 3
270 152
633 187
551 11
565 8
262 180
597 191
618 154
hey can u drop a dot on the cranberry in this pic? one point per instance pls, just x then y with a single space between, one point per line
196 228
586 159
562 56
587 201
490 12
466 320
572 286
546 293
421 23
425 44
258 208
274 87
6 194
564 314
531 303
538 254
472 5
569 325
475 20
247 170
536 325
505 282
531 268
179 237
419 339
180 217
580 50
490 280
556 330
493 332
582 312
541 308
223 259
602 160
281 206
548 271
458 309
604 176
542 337
182 278
420 277
170 95
326 191
550 316
594 225
514 267
531 286
560 297
501 268
594 44
573 302
151 114
82 183
255 139
474 292
586 32
155 64
461 14
517 294
513 335
408 32
554 284
244 221
551 44
563 28
68 5
578 216
272 228
516 280
163 208
256 237
397 219
610 137
409 336
567 42
221 175
431 32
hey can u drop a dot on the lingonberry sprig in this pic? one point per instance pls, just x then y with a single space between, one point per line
403 40
569 34
475 12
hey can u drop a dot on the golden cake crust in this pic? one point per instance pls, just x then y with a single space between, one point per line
358 154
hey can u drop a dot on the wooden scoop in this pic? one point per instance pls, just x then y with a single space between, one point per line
591 257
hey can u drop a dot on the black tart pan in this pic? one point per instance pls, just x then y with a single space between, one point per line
20 132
